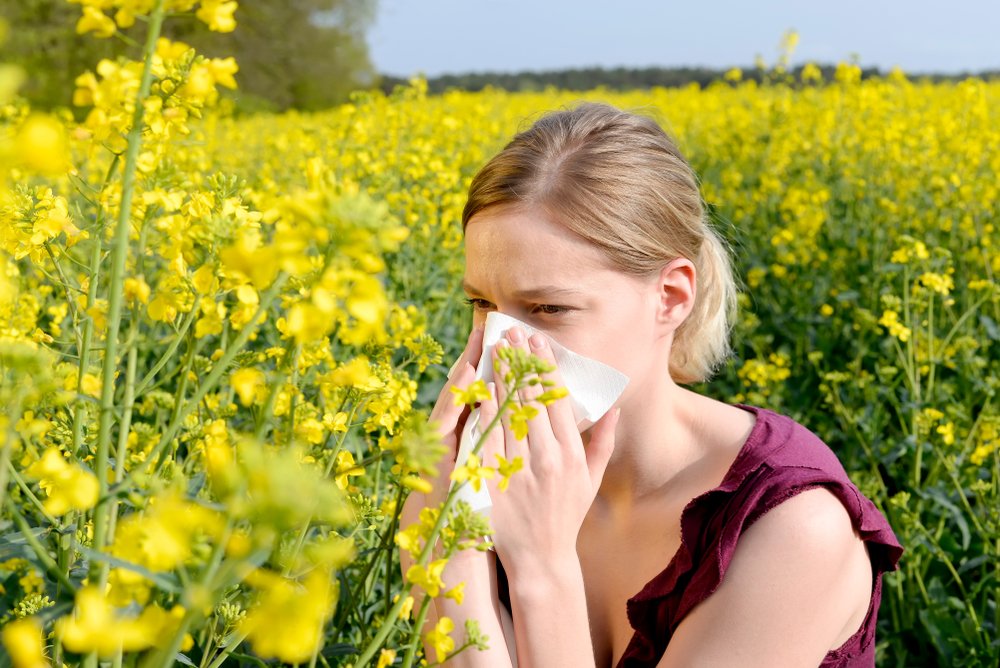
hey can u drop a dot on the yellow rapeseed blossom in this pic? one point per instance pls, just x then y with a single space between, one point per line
41 145
440 639
427 578
473 472
939 283
473 394
286 621
218 14
22 638
345 469
890 320
507 469
385 658
95 21
69 486
248 383
95 625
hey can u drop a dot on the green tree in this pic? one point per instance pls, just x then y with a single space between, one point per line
305 54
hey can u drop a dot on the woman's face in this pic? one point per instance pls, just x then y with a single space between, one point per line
524 265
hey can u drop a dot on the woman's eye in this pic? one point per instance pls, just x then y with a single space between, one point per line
477 303
548 309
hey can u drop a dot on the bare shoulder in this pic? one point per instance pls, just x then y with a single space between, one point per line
799 585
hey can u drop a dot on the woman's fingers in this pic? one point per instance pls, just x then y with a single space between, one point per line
500 372
473 351
538 426
446 413
560 412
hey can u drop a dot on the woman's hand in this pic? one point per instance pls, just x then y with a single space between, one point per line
451 420
538 517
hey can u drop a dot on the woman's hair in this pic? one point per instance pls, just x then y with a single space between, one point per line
617 180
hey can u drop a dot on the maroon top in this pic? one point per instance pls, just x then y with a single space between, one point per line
779 459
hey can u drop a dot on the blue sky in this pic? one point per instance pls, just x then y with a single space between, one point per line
451 36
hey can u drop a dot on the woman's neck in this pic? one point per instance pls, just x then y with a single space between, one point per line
664 430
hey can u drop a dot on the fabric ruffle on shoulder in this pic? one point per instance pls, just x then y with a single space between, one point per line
779 459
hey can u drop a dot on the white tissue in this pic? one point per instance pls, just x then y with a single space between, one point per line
593 389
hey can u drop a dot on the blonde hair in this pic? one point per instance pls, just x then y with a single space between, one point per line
617 180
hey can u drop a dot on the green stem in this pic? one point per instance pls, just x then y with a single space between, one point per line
119 255
411 648
88 334
168 354
26 490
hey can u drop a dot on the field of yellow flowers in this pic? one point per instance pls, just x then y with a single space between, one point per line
219 339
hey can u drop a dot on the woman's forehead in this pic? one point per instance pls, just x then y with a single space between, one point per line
526 237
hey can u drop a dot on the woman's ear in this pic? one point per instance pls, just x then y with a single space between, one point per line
676 289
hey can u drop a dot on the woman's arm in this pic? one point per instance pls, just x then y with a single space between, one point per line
799 583
550 613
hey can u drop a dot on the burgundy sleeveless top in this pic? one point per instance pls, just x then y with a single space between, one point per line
779 459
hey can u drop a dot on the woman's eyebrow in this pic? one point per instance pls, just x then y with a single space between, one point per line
531 293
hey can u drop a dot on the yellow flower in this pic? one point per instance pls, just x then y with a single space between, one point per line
826 310
472 472
136 289
456 593
218 14
92 626
90 385
890 320
287 621
440 639
939 283
95 20
409 538
473 394
429 578
69 487
247 382
519 420
407 609
385 658
336 422
24 643
552 395
345 468
507 469
947 432
41 145
811 73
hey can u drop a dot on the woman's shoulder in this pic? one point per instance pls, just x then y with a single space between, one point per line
782 458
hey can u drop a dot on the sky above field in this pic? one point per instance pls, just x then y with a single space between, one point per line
454 36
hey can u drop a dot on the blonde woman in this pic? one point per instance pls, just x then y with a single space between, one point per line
678 531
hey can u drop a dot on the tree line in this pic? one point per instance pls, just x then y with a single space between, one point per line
630 78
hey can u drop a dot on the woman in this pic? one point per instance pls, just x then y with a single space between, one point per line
678 530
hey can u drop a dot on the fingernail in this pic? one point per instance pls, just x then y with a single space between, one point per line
537 341
515 334
502 343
